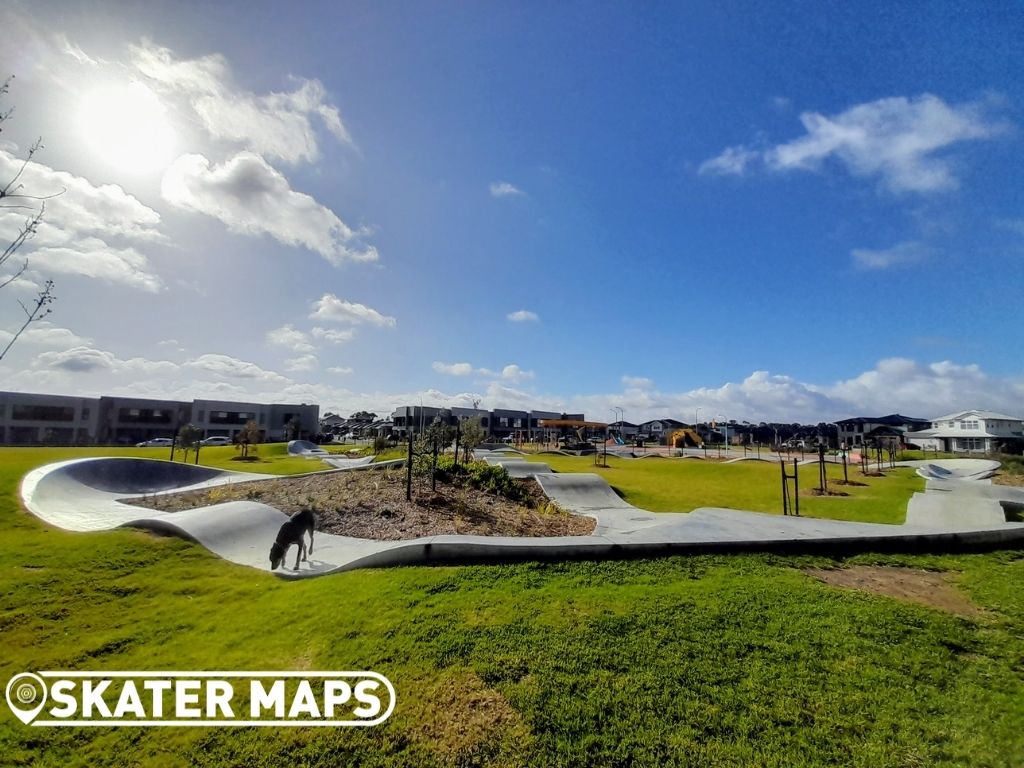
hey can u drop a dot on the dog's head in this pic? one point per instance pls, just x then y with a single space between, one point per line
276 555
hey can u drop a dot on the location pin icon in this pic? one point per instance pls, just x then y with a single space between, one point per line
26 695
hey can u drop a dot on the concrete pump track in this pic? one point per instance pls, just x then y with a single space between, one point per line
960 510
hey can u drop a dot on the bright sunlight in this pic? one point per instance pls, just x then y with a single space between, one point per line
127 126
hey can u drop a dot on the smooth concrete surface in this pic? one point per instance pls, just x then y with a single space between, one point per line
306 448
84 495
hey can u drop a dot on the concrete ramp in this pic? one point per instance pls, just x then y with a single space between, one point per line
349 463
582 492
520 467
306 448
957 469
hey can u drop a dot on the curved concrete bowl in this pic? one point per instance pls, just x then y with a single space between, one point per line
85 495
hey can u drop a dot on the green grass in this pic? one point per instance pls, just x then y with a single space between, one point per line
680 485
718 661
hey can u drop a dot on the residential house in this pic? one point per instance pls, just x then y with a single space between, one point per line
975 431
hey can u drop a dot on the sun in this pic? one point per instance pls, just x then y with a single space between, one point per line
127 126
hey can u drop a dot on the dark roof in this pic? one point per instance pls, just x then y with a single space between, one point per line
892 420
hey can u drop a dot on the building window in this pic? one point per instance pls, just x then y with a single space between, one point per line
85 414
968 425
42 413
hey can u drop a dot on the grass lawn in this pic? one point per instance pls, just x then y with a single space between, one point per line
680 485
717 661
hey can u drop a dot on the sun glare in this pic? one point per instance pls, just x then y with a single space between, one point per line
127 126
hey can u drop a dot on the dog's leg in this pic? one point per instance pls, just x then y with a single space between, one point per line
311 541
299 554
302 543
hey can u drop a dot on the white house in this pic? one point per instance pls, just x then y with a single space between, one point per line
973 431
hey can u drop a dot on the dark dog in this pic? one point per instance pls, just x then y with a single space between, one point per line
292 533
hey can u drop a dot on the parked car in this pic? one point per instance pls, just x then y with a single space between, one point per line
156 442
216 440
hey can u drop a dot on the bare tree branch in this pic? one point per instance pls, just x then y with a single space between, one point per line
34 313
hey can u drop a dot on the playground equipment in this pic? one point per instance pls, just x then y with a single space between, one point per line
685 438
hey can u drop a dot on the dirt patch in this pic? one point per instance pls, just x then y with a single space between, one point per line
826 492
372 505
851 483
1004 479
463 722
929 588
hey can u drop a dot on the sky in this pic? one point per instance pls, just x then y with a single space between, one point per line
752 211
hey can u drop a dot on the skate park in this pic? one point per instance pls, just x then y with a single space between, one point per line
959 509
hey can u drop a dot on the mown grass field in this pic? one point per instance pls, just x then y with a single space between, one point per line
718 661
680 485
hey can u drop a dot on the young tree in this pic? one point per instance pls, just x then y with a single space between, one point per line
249 435
188 438
472 435
13 197
293 428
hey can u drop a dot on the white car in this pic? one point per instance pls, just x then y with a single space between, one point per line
156 442
216 440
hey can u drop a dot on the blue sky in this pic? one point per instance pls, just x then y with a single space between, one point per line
800 212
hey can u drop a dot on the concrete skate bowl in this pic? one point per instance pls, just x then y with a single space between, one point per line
306 448
83 494
957 469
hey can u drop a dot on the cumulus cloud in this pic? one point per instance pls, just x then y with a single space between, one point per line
85 359
301 363
333 335
45 334
504 189
91 257
329 308
897 140
454 369
637 382
899 255
290 338
510 372
252 198
230 367
341 370
87 230
278 125
523 316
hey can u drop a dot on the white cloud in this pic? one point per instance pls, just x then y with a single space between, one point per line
341 370
84 359
45 334
732 161
230 367
523 316
453 369
334 335
301 363
80 225
515 373
504 189
274 124
329 308
252 198
91 257
899 255
78 206
290 338
510 372
636 382
897 140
